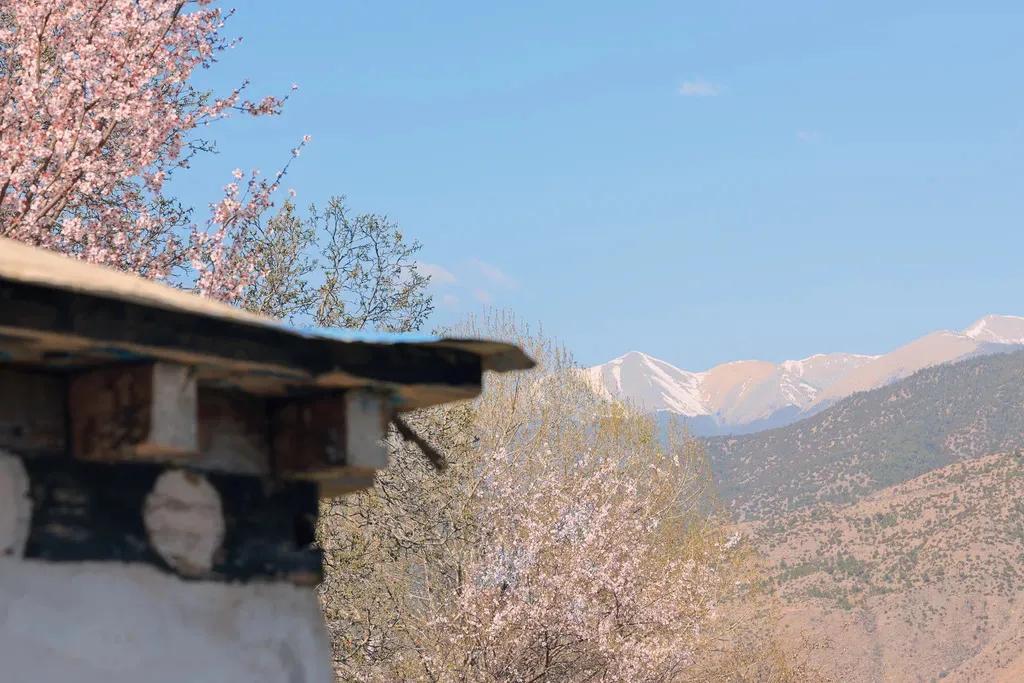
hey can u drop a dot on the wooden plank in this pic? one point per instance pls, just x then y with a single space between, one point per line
343 482
335 439
93 511
32 412
134 412
26 265
307 435
80 322
23 263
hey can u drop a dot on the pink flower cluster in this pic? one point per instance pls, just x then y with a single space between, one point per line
96 112
217 254
573 578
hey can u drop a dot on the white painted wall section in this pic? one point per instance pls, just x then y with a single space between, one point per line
105 622
15 507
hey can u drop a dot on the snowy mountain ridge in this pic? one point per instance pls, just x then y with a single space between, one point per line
746 395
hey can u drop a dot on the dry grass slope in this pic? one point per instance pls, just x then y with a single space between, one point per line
920 581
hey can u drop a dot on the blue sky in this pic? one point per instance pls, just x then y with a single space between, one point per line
700 181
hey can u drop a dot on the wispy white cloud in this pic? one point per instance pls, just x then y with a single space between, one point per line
439 275
808 135
473 282
494 274
699 88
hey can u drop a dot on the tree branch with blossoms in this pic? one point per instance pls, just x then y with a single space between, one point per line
564 542
96 113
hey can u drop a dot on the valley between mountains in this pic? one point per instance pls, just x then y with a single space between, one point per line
886 500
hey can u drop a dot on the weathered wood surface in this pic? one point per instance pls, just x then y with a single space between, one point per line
20 263
33 416
267 360
334 439
134 412
309 435
142 412
366 420
91 511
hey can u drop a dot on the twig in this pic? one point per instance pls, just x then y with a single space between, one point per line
433 455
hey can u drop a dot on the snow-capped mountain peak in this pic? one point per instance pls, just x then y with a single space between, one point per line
735 395
737 391
649 383
997 329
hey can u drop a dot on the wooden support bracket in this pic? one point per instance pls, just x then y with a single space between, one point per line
134 412
334 439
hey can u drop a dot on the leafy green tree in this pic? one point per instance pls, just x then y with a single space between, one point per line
328 268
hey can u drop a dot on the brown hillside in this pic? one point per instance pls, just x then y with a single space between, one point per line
920 581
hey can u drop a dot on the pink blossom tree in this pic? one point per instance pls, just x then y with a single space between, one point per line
584 567
573 580
565 542
97 112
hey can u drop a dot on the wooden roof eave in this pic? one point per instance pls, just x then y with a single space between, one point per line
54 309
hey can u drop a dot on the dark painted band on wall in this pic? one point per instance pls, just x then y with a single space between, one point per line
85 511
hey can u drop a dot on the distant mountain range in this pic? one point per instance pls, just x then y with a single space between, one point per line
875 439
884 494
892 523
750 395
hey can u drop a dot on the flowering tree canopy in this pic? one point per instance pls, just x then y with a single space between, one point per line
96 113
565 542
